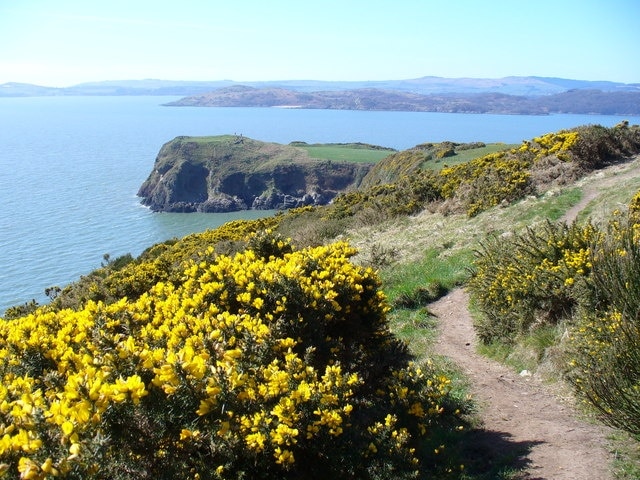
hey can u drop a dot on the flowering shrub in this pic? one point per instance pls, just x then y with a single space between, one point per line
634 208
407 195
532 277
604 345
559 144
486 181
272 363
589 276
598 146
160 263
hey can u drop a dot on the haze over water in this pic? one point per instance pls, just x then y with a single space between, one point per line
70 168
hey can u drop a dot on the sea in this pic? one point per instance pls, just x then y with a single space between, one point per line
70 168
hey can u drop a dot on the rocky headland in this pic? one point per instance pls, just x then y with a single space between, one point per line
230 173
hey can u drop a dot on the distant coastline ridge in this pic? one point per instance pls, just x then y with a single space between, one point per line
509 95
591 102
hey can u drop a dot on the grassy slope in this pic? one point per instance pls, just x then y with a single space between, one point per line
249 151
463 156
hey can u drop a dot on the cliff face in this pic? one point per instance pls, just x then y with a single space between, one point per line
229 173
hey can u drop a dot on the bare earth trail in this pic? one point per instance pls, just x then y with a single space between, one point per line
523 419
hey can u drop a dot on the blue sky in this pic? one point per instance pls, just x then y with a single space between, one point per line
66 42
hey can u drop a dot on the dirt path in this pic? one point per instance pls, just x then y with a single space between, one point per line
522 419
608 178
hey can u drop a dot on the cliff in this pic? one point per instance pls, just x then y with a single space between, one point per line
229 173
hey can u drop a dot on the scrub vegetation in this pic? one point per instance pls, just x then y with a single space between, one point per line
298 346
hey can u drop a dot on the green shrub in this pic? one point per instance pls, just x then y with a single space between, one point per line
598 146
21 310
407 195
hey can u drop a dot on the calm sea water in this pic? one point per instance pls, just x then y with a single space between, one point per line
70 168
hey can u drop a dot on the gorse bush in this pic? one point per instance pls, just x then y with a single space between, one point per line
598 146
160 263
535 277
407 195
604 345
271 363
486 182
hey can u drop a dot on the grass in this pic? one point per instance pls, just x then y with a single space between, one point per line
417 328
626 453
530 352
346 153
337 152
423 281
616 196
212 139
555 205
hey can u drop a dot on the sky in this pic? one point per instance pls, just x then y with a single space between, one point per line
66 42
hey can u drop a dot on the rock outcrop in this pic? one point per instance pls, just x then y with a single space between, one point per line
230 173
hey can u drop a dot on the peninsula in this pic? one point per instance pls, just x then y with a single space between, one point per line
232 172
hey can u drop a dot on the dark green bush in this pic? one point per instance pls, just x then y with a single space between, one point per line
599 146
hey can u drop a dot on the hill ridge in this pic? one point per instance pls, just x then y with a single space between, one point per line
514 85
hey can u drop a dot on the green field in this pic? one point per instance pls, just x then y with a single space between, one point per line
347 152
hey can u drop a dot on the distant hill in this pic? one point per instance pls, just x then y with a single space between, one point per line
579 101
514 85
113 88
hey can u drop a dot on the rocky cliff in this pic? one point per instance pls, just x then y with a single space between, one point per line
229 173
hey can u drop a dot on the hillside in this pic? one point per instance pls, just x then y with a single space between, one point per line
271 346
